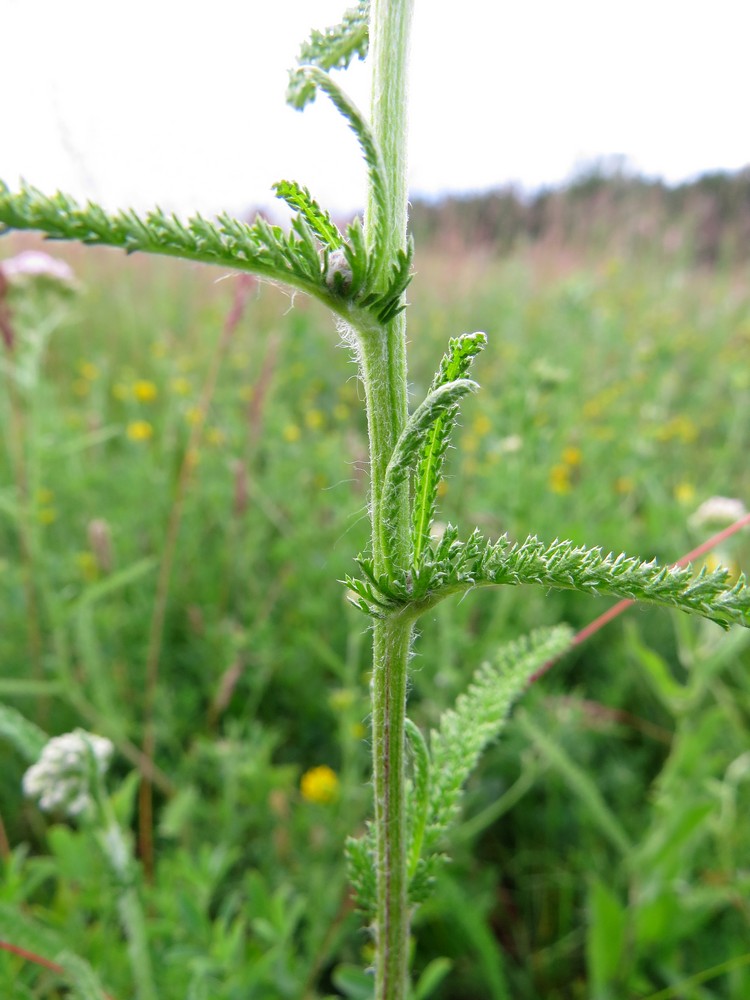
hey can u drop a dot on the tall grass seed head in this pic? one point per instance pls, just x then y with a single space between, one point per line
62 777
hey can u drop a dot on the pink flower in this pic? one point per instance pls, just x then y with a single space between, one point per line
32 264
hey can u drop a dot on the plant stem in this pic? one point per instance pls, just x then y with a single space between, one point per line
391 650
383 359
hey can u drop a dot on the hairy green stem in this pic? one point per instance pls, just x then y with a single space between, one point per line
384 373
391 650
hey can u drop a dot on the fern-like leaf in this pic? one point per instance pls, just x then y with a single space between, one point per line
260 247
465 731
319 221
332 48
370 151
478 718
438 403
454 365
390 303
357 258
360 859
418 793
454 567
451 566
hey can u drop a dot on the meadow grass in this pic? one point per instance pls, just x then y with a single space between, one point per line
608 831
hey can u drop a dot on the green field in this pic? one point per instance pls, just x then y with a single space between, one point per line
179 498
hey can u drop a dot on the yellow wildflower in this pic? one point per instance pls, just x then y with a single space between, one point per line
81 387
624 484
559 479
320 785
314 419
180 385
482 425
140 430
215 436
46 515
87 566
88 370
291 433
120 391
145 391
679 427
572 455
684 492
194 415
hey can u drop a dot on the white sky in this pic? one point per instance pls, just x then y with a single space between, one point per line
182 103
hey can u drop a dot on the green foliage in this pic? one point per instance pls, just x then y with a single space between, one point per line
24 736
333 48
372 157
450 567
440 773
238 783
454 365
478 718
317 218
263 910
418 794
261 248
441 402
580 783
81 978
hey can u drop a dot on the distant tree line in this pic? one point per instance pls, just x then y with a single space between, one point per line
706 220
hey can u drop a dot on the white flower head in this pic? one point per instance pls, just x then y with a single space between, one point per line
61 779
718 511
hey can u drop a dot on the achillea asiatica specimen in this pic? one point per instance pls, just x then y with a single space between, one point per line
362 274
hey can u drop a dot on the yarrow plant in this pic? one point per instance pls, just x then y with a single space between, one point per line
362 274
63 777
68 779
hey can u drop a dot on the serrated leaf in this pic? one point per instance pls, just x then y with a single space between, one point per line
370 152
258 247
360 858
419 793
438 403
454 365
332 48
300 200
478 718
566 566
